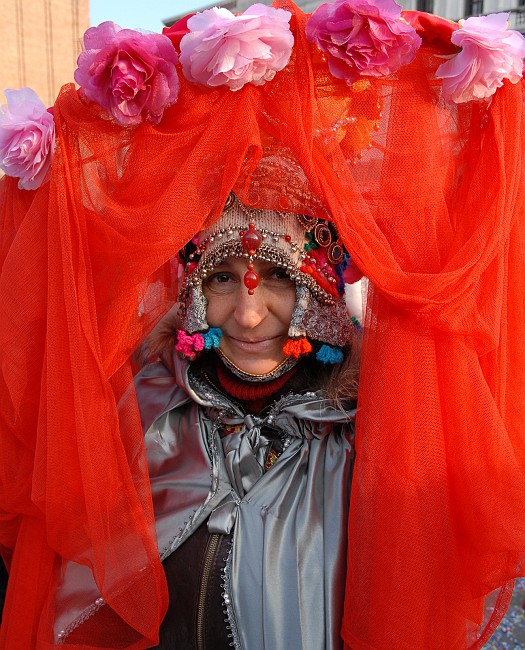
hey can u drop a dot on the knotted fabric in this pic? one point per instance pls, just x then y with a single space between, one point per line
244 457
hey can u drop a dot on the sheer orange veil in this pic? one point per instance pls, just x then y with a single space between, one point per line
429 200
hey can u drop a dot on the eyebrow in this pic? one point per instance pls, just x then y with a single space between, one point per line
223 266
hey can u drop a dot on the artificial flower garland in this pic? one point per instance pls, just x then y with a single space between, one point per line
27 139
362 38
222 49
133 75
130 74
490 53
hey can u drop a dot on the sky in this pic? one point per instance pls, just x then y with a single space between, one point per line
146 14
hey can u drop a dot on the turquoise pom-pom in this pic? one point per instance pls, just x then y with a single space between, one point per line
328 354
212 338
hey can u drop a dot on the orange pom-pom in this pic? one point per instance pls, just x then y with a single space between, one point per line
294 348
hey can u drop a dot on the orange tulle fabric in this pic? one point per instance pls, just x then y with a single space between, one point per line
428 198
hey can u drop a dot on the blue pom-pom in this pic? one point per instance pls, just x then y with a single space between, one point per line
212 338
328 354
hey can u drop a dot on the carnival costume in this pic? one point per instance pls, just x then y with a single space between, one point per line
253 542
405 133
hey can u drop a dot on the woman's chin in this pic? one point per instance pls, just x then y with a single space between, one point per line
250 364
262 368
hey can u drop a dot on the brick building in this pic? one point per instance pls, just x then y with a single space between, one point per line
40 43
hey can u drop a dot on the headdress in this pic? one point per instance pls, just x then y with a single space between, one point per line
307 247
409 132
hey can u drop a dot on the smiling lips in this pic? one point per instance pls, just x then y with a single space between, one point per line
255 346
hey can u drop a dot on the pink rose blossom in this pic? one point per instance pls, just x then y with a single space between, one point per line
224 49
131 74
490 53
362 37
27 139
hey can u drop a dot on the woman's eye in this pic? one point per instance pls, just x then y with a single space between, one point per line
278 279
279 274
220 277
219 282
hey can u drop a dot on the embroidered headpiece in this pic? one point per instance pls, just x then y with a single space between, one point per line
307 247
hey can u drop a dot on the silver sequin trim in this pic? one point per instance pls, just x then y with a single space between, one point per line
228 604
297 325
86 614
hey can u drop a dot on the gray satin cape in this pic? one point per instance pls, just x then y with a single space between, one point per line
285 575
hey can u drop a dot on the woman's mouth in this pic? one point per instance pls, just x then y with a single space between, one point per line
253 345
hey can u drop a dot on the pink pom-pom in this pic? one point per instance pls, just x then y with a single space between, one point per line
189 345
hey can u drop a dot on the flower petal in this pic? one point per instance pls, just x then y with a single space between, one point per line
490 53
27 138
120 68
362 38
224 49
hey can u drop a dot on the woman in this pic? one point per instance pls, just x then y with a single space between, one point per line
255 549
404 133
286 451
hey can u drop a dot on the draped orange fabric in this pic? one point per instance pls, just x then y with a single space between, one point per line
429 200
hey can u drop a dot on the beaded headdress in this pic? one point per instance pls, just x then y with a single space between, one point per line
307 247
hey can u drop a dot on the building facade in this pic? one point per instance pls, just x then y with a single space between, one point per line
40 42
456 9
452 9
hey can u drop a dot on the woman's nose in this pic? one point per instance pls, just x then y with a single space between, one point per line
250 310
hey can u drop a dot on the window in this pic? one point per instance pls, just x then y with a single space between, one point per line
427 5
474 7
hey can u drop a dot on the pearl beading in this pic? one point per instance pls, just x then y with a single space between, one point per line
234 248
240 230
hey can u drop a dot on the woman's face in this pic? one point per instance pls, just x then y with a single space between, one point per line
254 328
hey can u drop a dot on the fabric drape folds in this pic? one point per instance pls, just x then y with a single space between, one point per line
428 198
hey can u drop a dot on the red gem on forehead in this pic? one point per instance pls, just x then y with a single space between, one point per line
252 239
251 281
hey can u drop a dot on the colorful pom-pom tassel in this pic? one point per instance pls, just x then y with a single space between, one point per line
328 354
295 348
357 325
212 338
189 345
